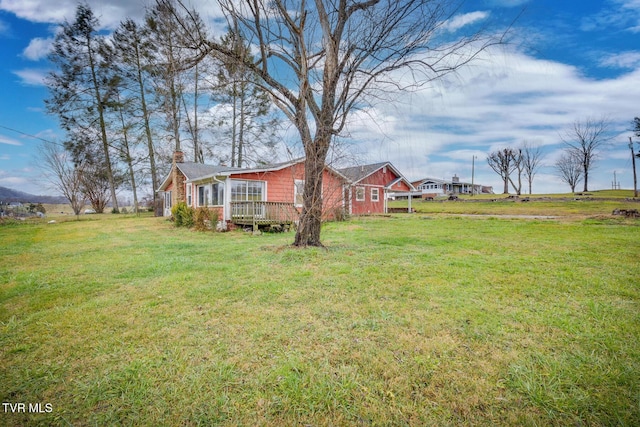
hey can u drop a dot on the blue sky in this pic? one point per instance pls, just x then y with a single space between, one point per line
567 61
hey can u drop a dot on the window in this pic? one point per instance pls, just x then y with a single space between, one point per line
375 194
298 192
167 199
203 195
217 194
188 195
360 194
247 191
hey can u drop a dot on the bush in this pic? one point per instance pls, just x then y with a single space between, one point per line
182 215
340 214
205 219
202 219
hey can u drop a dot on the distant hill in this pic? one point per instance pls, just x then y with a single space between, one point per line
8 195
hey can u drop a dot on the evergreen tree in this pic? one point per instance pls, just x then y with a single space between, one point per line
134 48
80 89
250 126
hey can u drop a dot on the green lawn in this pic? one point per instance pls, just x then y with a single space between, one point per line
403 320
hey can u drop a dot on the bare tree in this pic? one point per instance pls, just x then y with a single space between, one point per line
584 141
321 60
531 161
518 163
64 176
504 163
569 169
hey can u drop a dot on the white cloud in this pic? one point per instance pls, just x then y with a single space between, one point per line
31 77
9 141
38 48
623 14
629 60
460 21
110 13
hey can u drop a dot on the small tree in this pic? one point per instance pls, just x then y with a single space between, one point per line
63 174
531 161
584 141
503 162
569 169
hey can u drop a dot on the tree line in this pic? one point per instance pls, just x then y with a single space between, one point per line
128 99
582 142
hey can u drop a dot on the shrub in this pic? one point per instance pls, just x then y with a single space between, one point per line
340 214
205 219
202 219
182 215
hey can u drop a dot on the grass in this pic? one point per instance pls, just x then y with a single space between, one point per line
402 320
581 204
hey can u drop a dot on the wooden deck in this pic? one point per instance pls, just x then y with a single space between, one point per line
257 214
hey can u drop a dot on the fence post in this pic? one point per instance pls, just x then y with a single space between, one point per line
253 210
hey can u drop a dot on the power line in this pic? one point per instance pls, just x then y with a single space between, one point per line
31 136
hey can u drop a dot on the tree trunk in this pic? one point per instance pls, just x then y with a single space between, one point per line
308 232
309 227
506 185
234 126
241 127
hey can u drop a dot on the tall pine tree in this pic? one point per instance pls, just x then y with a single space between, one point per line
80 88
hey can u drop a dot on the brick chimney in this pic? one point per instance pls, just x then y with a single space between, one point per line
177 177
178 157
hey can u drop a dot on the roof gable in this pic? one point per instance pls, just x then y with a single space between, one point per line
359 173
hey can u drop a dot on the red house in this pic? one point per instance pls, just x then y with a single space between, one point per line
370 185
266 195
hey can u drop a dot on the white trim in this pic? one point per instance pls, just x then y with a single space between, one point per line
206 201
297 182
377 194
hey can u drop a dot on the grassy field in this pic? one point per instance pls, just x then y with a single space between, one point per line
423 319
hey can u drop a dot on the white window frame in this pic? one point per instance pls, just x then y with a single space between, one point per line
219 195
362 191
263 190
375 194
205 195
298 191
189 195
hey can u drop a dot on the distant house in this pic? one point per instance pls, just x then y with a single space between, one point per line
370 186
433 187
267 195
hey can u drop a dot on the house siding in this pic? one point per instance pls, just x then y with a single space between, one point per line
281 187
379 179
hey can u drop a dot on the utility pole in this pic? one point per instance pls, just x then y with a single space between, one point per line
473 167
633 161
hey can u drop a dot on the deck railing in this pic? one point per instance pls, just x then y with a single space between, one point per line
256 213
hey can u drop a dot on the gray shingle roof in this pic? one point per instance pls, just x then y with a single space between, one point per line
192 170
356 173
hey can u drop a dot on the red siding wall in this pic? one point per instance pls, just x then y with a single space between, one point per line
379 180
280 186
